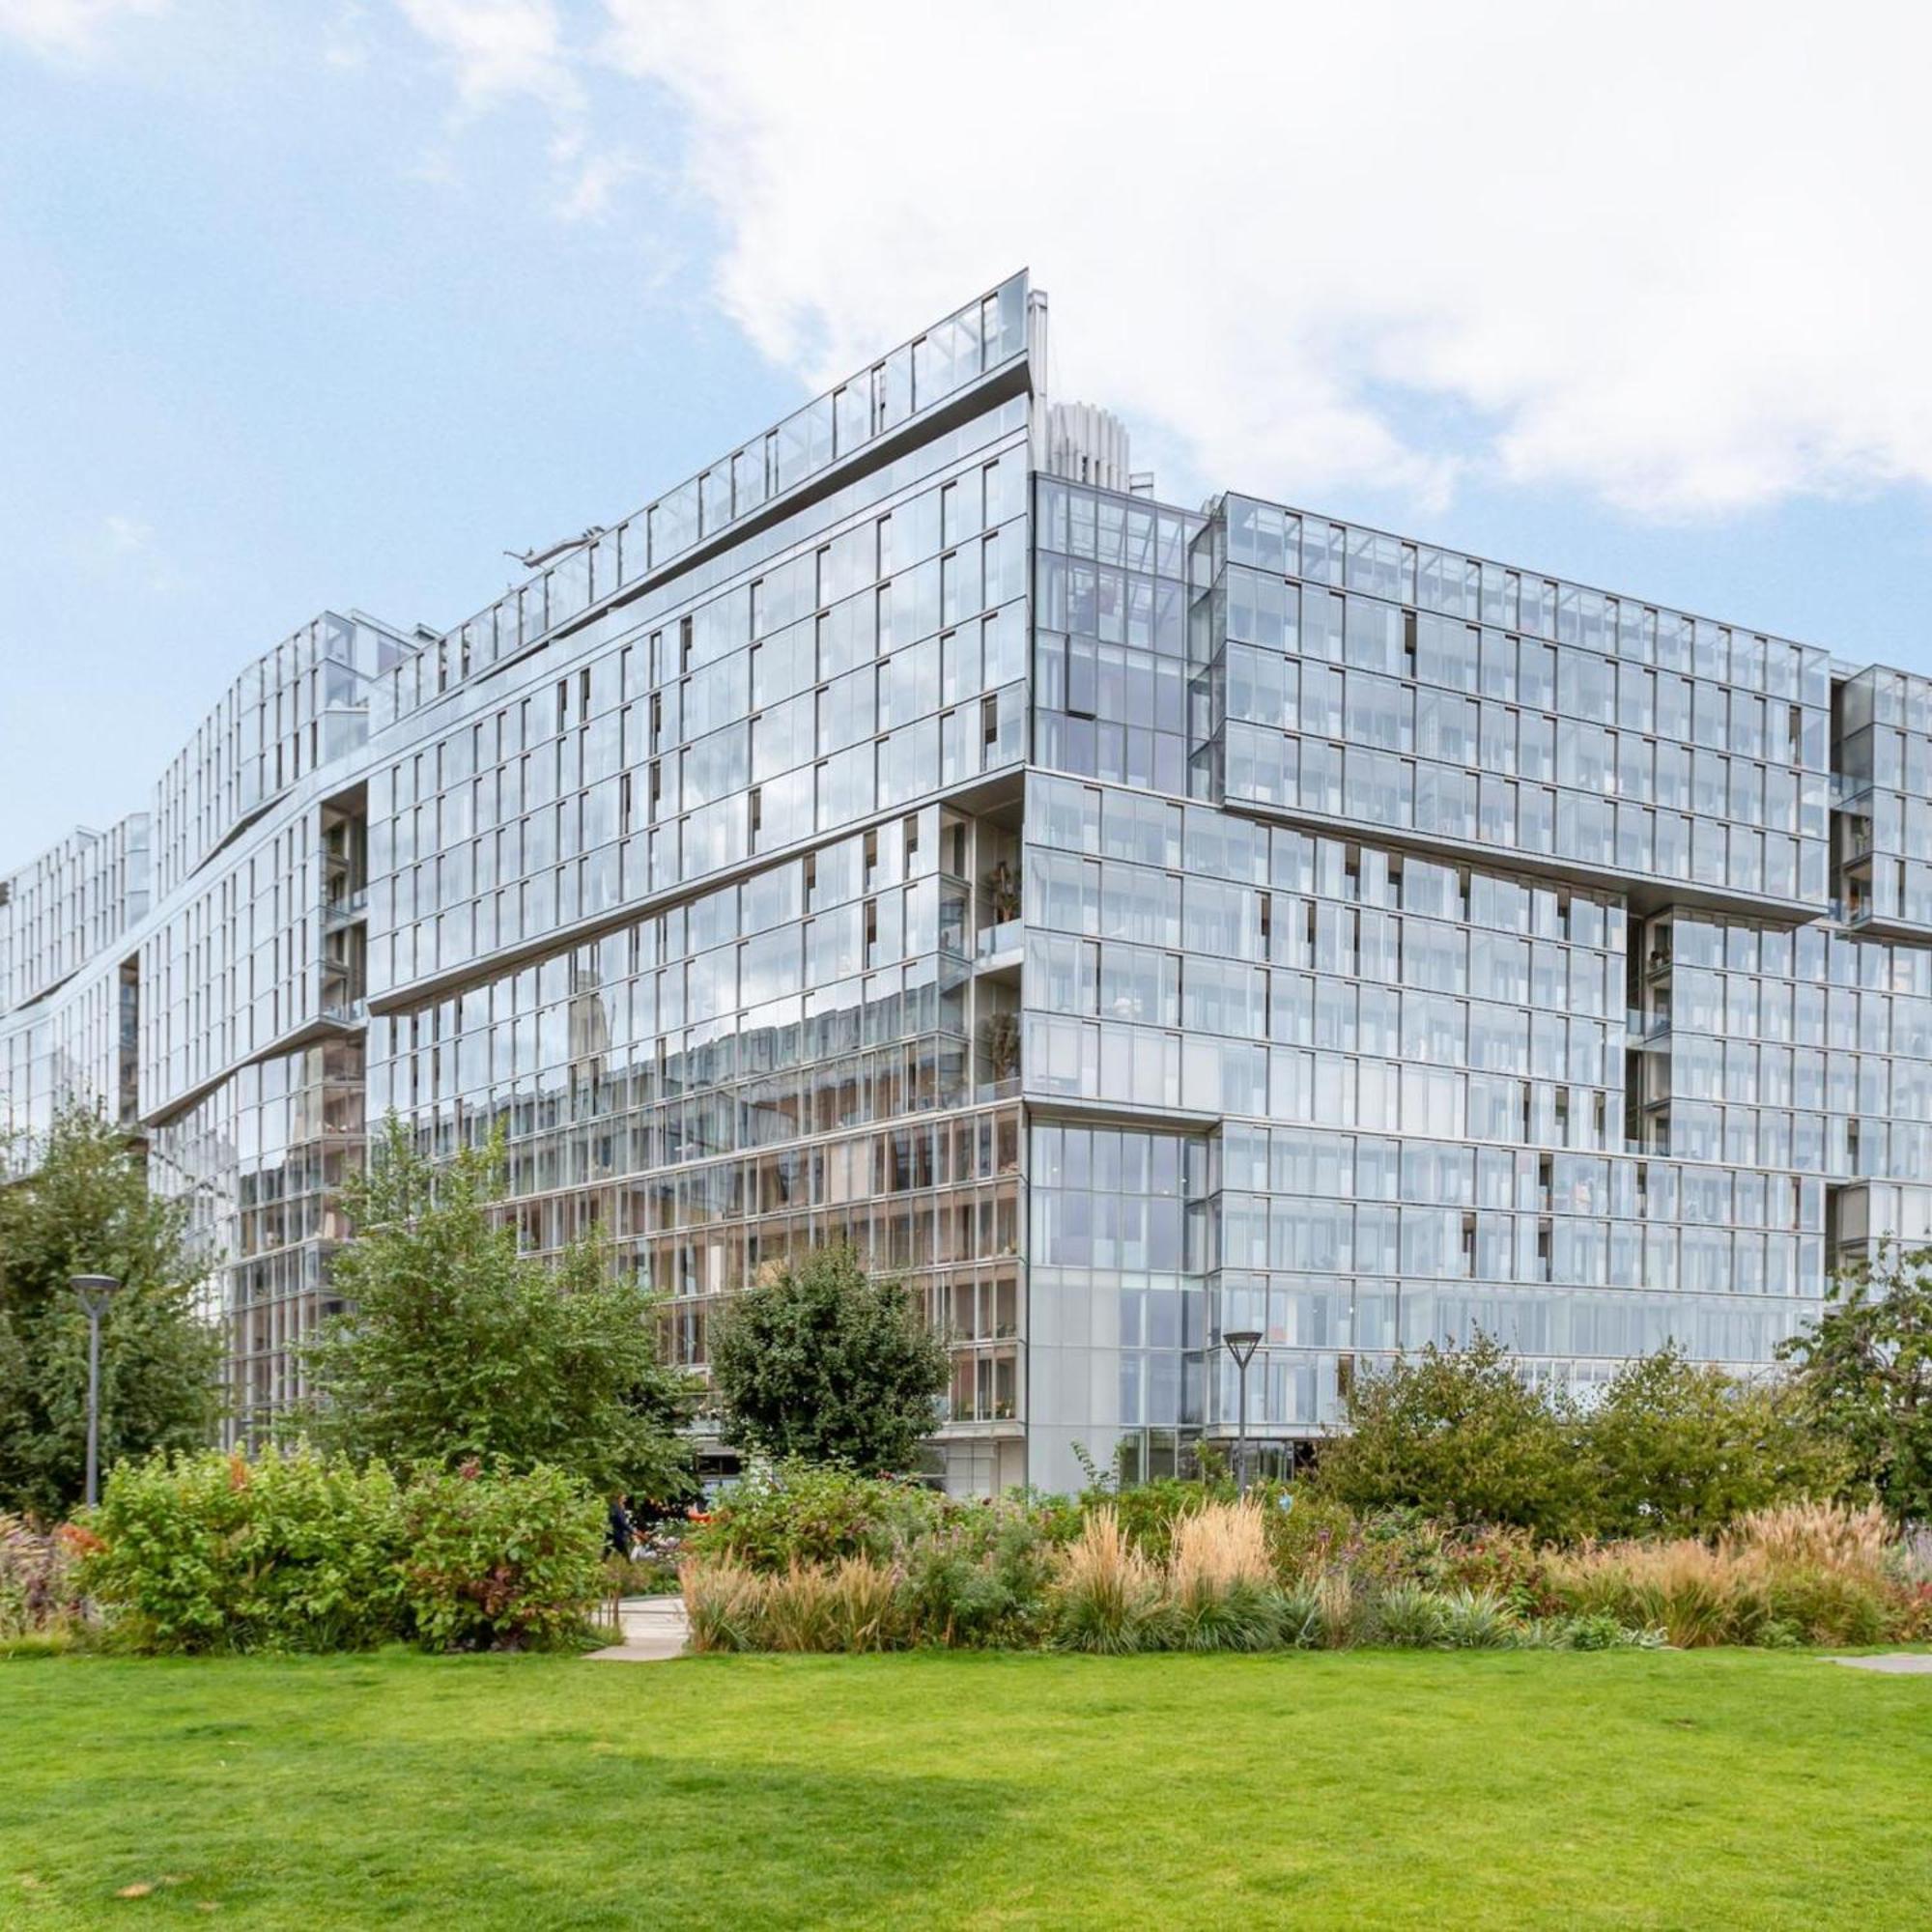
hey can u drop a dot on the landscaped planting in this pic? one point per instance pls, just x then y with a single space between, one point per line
817 1560
301 1552
38 1604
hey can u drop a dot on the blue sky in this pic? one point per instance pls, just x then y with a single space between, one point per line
328 304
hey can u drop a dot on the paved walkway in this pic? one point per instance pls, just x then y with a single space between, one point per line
1894 1663
654 1629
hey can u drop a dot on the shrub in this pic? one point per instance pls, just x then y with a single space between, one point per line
1218 1547
208 1552
1412 1617
37 1593
1459 1436
1149 1513
1499 1561
1108 1592
797 1611
1342 1612
41 1643
1814 1574
1477 1620
1306 1532
505 1561
981 1579
1680 1448
647 1576
1594 1631
1831 1607
995 1575
1298 1611
814 1513
864 1605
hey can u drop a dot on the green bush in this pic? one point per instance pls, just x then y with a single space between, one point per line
500 1561
1593 1630
302 1552
1301 1611
1831 1607
1306 1532
1678 1448
815 1512
1477 1620
981 1580
1004 1575
1412 1617
208 1552
1674 1448
1458 1435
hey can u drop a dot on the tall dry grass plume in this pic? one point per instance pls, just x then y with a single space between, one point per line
1341 1613
865 1595
1217 1549
1816 1536
1696 1594
1108 1590
725 1605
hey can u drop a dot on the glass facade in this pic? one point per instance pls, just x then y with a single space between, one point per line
1125 921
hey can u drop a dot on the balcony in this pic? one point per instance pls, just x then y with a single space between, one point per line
345 908
999 945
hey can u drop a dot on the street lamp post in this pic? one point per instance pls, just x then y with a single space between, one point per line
93 1293
1241 1345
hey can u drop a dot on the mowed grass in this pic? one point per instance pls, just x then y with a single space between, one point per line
1374 1789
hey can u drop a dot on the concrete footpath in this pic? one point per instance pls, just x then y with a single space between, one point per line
654 1629
1894 1662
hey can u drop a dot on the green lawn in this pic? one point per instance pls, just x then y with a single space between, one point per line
1392 1789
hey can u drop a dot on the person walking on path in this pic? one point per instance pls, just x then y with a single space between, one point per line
618 1538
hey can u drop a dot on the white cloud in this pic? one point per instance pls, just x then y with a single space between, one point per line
69 29
1670 254
344 44
591 179
125 548
499 51
124 534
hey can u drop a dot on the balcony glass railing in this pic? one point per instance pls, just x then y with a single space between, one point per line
949 357
992 939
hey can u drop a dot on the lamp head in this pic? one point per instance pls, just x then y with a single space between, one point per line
1241 1343
94 1291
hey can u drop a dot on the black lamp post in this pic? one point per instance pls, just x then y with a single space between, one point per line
93 1293
1241 1345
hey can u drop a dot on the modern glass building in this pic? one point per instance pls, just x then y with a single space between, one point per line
1128 921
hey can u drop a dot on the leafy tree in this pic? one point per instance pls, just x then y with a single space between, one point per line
825 1364
1864 1370
1456 1431
458 1347
1681 1448
86 1209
